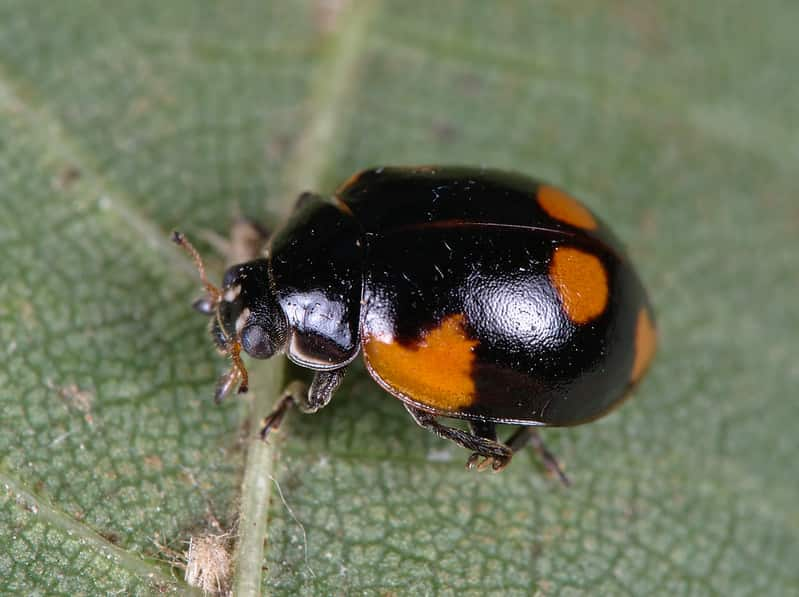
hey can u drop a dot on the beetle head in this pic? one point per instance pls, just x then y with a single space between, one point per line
245 315
249 312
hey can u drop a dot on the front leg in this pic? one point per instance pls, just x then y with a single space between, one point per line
308 400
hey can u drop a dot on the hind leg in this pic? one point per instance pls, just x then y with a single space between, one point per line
529 435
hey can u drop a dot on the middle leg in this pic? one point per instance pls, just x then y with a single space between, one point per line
485 447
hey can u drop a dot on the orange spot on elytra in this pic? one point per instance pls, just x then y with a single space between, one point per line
645 344
436 371
581 282
565 208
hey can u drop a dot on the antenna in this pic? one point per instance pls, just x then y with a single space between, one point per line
214 292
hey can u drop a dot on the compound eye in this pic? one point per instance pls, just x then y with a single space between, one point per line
256 342
233 275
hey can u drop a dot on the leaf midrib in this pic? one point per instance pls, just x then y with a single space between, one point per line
330 87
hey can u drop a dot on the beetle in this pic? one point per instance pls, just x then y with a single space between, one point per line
472 294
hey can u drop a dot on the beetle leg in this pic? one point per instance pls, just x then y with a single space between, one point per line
294 393
308 400
494 452
529 435
485 430
323 386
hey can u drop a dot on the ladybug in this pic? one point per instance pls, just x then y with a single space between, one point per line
472 294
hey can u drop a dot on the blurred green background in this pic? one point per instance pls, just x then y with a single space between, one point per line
676 121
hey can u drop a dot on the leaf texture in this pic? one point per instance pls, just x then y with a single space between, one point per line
675 121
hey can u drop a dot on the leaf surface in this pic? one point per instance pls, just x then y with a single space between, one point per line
675 121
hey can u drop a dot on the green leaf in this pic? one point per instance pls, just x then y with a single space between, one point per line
676 121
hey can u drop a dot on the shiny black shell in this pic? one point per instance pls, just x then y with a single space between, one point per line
473 293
